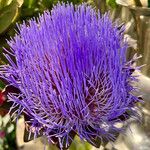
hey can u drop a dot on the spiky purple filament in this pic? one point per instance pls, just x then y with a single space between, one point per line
71 72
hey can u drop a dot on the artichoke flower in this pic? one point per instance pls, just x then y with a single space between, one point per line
72 75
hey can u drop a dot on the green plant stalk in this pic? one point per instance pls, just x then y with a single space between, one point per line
138 3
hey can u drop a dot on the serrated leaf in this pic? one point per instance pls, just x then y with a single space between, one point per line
7 15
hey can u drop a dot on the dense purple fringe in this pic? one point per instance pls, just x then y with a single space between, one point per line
72 73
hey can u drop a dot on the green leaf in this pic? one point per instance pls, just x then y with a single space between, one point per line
77 144
4 3
48 3
2 85
30 3
111 3
7 15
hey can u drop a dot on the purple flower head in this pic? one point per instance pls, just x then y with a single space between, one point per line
72 74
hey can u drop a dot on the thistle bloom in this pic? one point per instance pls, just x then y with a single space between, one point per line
72 74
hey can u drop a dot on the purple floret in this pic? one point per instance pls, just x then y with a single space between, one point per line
72 74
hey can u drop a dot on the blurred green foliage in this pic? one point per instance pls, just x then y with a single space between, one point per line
8 139
76 145
33 7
